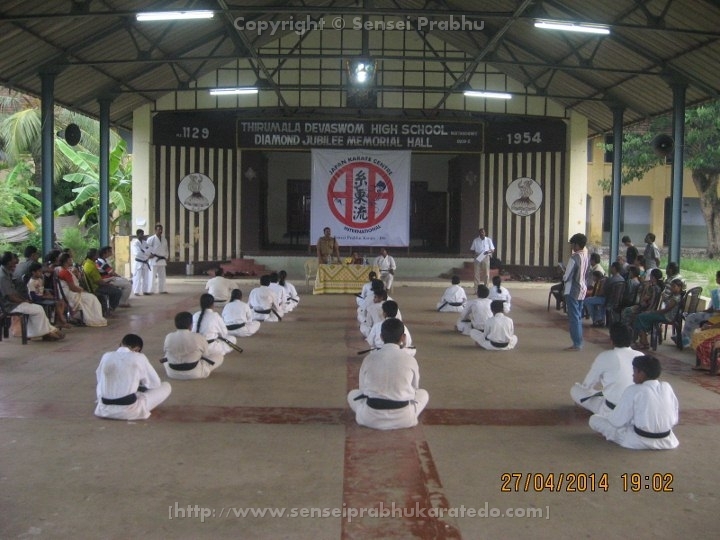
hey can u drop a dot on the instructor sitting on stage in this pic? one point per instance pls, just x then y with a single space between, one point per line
327 248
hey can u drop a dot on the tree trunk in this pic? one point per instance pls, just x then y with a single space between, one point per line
706 182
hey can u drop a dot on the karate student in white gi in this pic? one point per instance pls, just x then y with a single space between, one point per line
369 299
374 312
238 316
210 324
293 299
128 387
279 292
187 353
646 413
366 289
454 297
476 312
387 267
390 310
142 275
159 254
498 333
610 374
498 292
264 302
389 396
220 287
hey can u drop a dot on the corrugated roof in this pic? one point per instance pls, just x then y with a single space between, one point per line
98 49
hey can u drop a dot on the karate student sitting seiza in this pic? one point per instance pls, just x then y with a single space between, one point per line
499 333
646 413
476 312
610 374
454 297
366 290
187 354
389 396
209 323
390 311
238 316
128 387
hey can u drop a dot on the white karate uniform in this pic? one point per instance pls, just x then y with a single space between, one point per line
119 374
498 329
651 406
281 297
477 312
212 327
291 295
454 294
186 347
262 298
503 295
611 373
389 374
158 246
221 288
374 315
142 273
238 312
385 264
364 293
374 338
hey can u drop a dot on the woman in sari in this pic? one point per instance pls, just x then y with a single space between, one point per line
78 298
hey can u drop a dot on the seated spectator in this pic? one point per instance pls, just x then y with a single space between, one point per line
693 321
498 333
97 284
389 396
664 314
128 387
77 297
187 353
13 300
110 277
38 294
648 297
646 413
454 297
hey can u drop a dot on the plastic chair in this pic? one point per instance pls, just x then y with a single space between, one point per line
613 302
689 304
311 268
6 320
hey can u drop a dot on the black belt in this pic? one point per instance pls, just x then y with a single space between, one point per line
263 311
125 400
142 262
382 404
497 344
456 304
649 435
235 326
184 367
610 404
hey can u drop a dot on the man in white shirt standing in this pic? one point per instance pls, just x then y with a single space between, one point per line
159 253
483 248
387 267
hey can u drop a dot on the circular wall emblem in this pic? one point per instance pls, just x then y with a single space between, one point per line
524 196
196 192
360 194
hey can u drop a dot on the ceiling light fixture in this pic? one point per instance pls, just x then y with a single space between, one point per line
361 71
573 27
233 91
173 15
490 95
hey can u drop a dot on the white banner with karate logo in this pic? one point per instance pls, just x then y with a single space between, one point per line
362 195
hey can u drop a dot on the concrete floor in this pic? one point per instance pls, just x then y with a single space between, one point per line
271 430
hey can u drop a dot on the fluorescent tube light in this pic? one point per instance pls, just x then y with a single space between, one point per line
233 91
573 27
174 15
492 95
